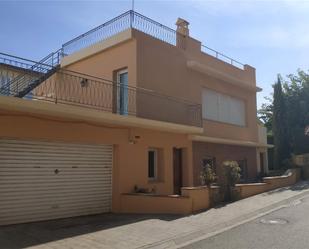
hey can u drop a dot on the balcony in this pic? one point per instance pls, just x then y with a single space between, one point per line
71 88
77 89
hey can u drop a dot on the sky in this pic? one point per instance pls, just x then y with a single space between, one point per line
272 36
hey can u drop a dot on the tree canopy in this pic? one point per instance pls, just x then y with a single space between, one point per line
279 125
293 103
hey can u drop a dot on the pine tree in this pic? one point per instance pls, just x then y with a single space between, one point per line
280 131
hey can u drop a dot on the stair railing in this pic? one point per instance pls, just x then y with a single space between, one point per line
26 81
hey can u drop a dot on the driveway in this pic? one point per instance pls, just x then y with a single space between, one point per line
97 231
145 231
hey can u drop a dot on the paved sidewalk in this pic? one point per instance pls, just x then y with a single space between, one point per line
144 231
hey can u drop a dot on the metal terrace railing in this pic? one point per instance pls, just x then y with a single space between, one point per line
222 57
129 19
132 19
72 88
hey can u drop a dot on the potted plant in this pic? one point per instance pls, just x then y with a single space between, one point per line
232 176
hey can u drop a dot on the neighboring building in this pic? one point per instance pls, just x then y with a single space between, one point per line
129 105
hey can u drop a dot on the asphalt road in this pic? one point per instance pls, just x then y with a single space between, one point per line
286 228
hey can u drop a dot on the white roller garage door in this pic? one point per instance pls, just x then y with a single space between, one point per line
49 180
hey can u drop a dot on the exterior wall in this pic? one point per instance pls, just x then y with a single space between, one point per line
222 152
105 63
163 68
159 66
130 159
149 204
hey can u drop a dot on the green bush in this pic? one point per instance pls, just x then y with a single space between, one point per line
232 176
207 175
232 172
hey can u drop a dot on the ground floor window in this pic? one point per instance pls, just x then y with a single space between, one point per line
152 164
210 161
262 166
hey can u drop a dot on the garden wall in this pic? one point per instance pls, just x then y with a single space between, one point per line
192 199
289 178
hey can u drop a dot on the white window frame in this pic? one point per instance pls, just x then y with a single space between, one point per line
219 117
119 72
155 164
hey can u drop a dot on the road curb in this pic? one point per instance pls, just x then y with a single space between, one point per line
185 239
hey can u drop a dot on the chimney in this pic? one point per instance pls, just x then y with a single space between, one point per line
182 26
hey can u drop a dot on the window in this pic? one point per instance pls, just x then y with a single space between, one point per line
223 108
210 161
152 164
122 92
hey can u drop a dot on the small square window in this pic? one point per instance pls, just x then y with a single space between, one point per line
152 164
210 161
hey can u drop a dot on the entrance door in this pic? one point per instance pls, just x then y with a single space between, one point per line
262 163
122 92
177 161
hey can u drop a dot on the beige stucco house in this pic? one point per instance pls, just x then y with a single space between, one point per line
130 106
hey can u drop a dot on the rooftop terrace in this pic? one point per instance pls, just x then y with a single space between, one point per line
132 19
